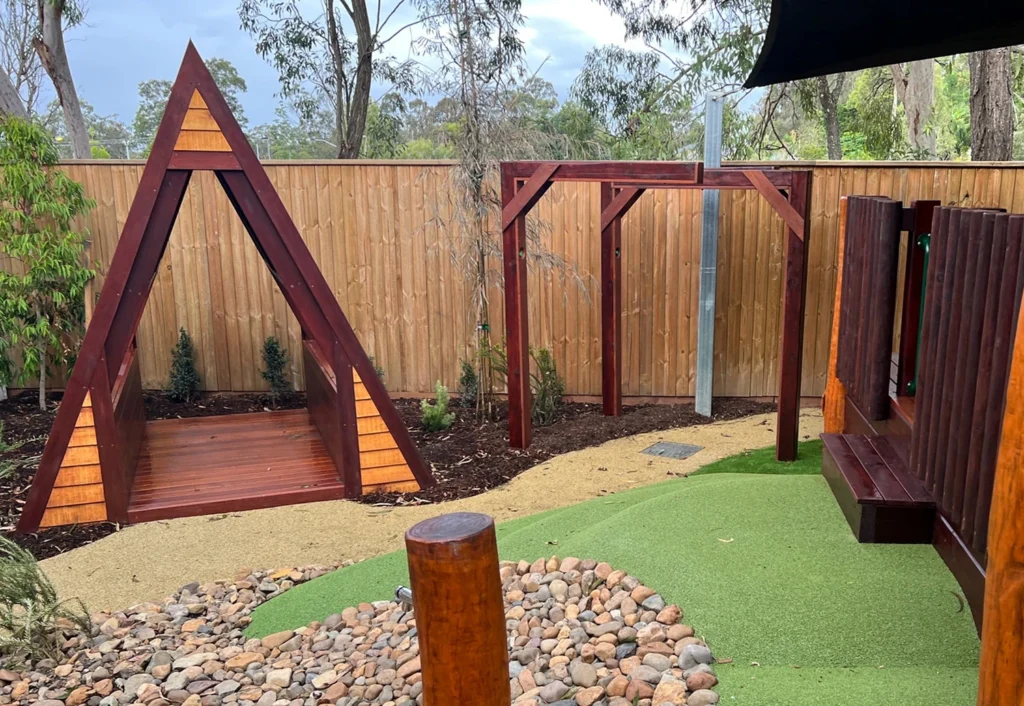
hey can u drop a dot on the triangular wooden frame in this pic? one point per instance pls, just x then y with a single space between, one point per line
199 132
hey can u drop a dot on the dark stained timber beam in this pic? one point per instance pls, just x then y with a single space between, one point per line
351 471
528 194
621 202
220 161
614 204
517 326
793 305
115 494
794 220
654 174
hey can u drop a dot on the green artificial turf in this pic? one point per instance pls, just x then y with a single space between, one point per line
765 568
762 461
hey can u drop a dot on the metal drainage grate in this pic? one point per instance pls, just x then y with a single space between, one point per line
671 449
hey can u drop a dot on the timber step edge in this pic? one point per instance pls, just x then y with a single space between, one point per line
882 501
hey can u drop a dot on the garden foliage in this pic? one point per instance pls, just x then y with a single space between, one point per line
436 417
41 298
32 617
469 385
275 363
184 379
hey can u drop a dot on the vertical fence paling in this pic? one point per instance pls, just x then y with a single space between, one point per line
975 278
869 301
350 225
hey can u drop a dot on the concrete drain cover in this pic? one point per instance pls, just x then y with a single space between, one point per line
671 449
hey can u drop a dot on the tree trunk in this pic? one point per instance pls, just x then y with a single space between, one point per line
915 90
991 105
50 48
10 101
352 125
42 378
830 110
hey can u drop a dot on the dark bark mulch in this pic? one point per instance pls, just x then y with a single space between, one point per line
467 459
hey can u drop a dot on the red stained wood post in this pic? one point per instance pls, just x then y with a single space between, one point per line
615 202
793 304
351 472
115 494
460 614
1001 680
611 308
517 342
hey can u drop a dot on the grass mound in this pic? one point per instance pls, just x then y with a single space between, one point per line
764 567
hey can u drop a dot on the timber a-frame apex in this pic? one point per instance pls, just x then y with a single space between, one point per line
199 132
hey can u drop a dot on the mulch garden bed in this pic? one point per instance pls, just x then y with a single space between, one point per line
467 459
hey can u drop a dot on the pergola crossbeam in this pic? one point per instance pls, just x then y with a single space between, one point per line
778 201
528 194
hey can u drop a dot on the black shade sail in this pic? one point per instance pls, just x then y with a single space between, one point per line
808 38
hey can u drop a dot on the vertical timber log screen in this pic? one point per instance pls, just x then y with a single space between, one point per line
871 261
460 614
788 192
974 284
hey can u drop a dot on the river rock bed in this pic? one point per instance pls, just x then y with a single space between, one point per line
580 634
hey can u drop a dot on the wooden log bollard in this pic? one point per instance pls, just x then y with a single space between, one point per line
460 614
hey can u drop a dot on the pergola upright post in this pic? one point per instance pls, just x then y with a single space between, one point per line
513 245
611 308
793 305
708 259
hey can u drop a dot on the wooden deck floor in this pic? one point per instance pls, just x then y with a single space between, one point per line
236 462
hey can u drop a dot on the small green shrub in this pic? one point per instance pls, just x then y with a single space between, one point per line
32 617
469 385
184 383
379 370
436 417
548 387
275 362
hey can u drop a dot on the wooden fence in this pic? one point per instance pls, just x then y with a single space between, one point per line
384 235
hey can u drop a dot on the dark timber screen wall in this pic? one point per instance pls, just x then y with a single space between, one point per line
872 256
974 281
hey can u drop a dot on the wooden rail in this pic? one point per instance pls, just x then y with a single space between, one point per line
130 428
334 412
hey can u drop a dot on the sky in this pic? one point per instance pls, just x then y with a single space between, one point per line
125 42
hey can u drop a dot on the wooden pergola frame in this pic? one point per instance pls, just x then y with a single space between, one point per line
622 183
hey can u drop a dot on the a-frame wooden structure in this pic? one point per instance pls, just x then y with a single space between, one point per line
88 467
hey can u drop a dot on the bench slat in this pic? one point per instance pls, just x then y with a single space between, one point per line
863 488
888 487
914 487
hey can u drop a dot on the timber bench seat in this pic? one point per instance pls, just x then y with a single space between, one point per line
882 501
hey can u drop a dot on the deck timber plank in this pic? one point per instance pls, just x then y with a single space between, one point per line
208 465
